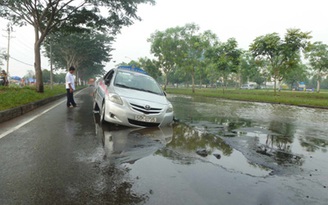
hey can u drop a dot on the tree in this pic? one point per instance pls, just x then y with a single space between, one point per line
178 76
49 15
85 51
46 76
281 54
226 57
324 83
211 73
165 46
181 48
192 50
151 67
249 69
318 60
297 74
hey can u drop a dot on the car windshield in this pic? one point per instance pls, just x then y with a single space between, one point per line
137 81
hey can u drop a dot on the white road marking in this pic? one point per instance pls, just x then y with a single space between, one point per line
27 121
33 118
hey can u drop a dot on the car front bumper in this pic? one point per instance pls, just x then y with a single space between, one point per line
125 115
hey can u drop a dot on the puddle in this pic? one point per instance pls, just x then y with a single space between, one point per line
278 137
236 162
190 139
228 150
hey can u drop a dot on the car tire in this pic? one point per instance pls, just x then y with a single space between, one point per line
102 113
95 106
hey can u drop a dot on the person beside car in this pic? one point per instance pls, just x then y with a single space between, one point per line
4 78
70 87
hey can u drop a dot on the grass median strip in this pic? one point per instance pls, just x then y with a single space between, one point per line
298 98
12 96
15 96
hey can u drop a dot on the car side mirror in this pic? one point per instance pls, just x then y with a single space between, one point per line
107 81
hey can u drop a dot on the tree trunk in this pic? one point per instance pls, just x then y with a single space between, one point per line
37 62
318 85
193 81
165 81
275 86
279 85
223 84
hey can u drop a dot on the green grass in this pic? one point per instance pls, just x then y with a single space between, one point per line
299 98
14 96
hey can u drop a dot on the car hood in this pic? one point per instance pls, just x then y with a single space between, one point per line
136 95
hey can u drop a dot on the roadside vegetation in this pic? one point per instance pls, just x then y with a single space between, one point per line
188 56
80 34
15 96
298 98
80 23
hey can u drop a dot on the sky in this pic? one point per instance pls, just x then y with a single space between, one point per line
243 20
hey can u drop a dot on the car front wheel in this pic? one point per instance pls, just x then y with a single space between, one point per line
102 113
95 106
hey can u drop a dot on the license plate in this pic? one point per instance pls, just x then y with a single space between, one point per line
145 118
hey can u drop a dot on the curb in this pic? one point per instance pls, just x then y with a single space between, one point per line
9 114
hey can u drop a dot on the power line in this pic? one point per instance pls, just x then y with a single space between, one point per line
24 62
21 61
21 52
24 44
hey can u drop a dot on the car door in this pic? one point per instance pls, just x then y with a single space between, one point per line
102 87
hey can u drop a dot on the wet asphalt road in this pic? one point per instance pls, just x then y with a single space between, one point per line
221 152
40 161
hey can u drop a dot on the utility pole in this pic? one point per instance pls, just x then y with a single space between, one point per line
9 30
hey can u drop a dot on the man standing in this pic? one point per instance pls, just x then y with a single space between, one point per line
4 78
70 87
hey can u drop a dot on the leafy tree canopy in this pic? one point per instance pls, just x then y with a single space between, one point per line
318 60
51 15
226 57
281 53
86 51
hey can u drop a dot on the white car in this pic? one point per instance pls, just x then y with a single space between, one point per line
248 86
129 96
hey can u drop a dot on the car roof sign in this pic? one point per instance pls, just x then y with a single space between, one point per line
132 68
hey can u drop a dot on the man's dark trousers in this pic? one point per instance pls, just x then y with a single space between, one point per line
70 99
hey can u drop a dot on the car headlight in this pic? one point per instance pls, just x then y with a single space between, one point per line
170 108
116 99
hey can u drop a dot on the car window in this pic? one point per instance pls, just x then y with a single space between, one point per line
108 77
137 81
